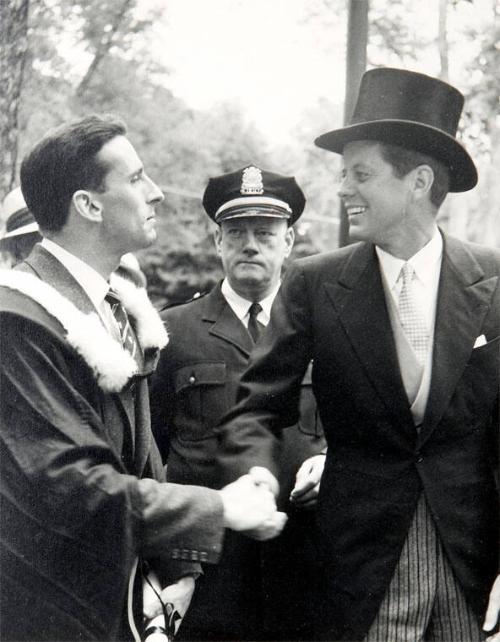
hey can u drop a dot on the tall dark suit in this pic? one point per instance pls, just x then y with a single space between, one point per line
257 589
332 308
79 500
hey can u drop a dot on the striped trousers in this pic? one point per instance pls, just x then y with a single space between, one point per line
424 600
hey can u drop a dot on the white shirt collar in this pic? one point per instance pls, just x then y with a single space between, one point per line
425 262
95 286
240 306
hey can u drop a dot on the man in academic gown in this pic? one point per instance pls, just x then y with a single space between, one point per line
82 487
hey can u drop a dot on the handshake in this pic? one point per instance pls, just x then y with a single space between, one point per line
250 506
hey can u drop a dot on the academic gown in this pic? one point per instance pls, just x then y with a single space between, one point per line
79 496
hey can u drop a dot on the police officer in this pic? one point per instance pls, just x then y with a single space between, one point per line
257 591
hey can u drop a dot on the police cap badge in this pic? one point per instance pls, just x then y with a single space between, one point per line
251 191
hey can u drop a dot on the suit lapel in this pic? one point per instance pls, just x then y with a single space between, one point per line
225 324
360 302
464 298
47 267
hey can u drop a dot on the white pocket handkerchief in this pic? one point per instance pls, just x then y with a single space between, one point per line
480 341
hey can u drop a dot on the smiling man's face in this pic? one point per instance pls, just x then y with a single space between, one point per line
252 251
376 200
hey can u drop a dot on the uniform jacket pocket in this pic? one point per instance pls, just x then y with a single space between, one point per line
201 398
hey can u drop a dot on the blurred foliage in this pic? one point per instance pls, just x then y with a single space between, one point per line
180 147
393 36
92 56
402 34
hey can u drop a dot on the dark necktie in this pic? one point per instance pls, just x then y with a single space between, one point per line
254 327
127 336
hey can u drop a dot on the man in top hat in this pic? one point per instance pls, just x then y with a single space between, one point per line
403 327
82 488
21 229
257 591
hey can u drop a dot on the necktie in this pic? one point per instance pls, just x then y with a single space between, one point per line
127 336
411 318
254 327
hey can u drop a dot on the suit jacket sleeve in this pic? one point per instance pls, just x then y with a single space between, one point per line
269 391
65 471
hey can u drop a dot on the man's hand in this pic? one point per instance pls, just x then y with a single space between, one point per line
493 611
269 529
262 475
307 481
179 594
250 507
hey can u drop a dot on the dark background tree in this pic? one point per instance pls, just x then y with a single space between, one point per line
13 48
357 42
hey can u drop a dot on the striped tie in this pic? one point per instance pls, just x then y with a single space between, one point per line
411 318
127 336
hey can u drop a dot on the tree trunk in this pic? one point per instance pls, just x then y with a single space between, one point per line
357 40
13 50
491 198
443 39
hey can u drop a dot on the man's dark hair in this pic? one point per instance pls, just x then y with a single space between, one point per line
63 162
404 160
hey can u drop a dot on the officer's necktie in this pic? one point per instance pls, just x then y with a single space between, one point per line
254 327
411 317
126 335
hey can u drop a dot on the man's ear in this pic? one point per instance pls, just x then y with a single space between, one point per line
87 205
423 178
218 239
289 240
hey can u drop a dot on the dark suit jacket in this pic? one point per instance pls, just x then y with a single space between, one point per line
78 490
194 386
332 308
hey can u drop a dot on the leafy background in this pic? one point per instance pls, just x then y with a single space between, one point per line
76 58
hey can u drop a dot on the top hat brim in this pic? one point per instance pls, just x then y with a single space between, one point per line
411 135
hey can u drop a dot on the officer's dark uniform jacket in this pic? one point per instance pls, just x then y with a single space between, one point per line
194 385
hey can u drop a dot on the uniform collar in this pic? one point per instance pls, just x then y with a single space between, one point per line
240 305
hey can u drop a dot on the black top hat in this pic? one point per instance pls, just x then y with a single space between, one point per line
411 110
251 191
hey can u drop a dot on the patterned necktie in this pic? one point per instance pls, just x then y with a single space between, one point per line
254 327
411 318
127 336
